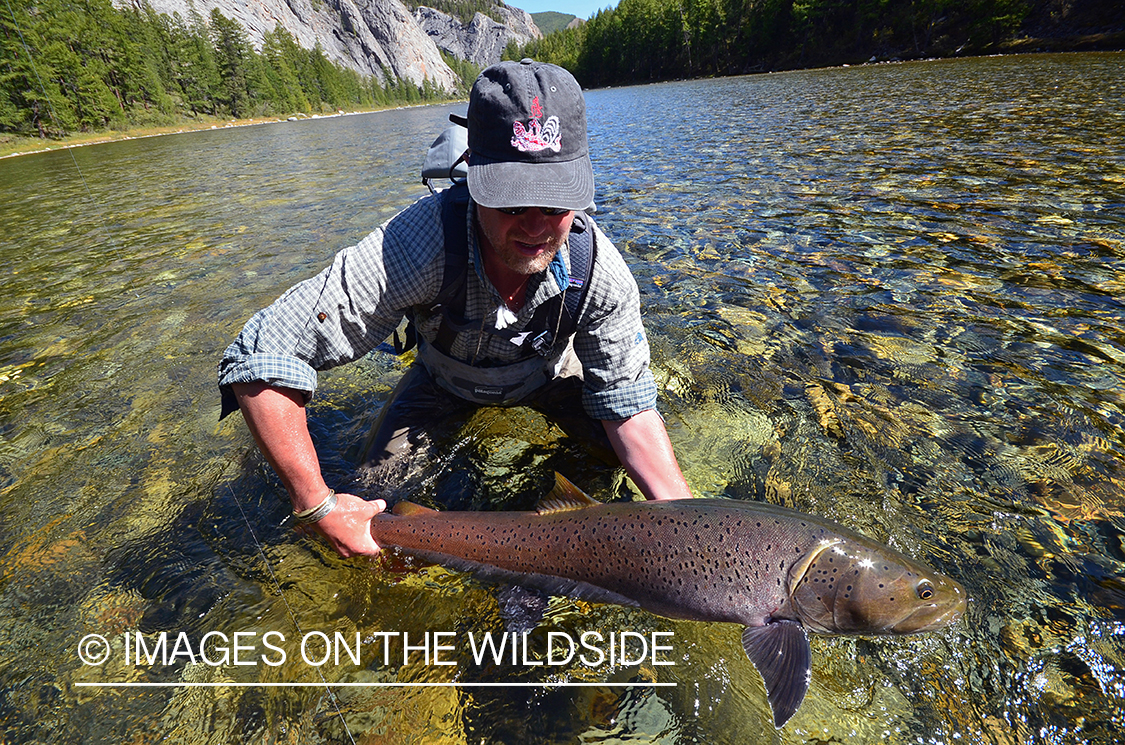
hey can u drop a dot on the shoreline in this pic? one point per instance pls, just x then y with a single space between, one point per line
187 127
1077 45
137 133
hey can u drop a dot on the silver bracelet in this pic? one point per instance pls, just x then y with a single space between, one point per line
318 513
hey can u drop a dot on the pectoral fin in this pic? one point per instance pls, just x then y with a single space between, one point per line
780 651
521 608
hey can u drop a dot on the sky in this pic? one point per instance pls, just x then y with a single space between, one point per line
581 8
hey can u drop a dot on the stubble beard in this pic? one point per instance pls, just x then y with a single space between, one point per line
519 263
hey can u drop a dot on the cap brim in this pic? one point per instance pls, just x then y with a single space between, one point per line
568 186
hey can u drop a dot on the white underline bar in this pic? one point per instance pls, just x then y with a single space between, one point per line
125 684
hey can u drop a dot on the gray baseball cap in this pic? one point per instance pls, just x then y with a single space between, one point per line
527 137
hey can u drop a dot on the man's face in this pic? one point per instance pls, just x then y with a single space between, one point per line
524 243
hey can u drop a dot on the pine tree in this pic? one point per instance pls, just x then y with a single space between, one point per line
281 50
33 72
232 53
135 63
197 72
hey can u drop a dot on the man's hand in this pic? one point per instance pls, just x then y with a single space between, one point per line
276 418
347 528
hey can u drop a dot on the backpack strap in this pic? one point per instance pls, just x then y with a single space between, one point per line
555 319
454 213
582 250
557 322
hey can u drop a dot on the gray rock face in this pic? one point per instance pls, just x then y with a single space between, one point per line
368 36
483 39
521 24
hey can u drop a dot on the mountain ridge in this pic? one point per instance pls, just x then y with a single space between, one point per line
550 21
380 38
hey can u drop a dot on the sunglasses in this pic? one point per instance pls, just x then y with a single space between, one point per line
548 211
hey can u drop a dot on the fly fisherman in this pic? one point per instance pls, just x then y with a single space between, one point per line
514 297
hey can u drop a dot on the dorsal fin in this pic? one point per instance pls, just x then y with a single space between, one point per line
565 496
408 509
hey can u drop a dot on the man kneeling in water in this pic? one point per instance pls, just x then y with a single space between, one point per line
484 277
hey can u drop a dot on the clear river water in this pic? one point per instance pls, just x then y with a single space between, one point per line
889 295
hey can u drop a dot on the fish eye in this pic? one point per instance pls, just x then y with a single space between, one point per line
925 590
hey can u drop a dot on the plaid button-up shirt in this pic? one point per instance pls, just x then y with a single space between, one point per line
357 302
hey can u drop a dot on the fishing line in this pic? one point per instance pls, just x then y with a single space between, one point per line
288 607
70 150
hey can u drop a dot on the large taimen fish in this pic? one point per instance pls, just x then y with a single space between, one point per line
776 571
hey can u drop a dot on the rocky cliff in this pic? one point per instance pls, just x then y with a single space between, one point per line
482 40
369 36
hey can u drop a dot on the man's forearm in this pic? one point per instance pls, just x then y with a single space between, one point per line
276 418
642 444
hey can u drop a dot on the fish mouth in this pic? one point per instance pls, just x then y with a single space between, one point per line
935 615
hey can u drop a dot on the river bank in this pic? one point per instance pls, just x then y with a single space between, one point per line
12 145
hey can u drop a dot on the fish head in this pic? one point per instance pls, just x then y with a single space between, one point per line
846 586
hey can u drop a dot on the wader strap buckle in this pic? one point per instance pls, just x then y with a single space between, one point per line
542 343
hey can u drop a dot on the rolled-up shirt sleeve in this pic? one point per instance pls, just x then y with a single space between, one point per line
343 312
246 360
611 343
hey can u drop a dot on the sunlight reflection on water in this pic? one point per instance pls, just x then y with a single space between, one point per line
887 295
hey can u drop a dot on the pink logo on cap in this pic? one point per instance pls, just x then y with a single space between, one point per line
537 136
